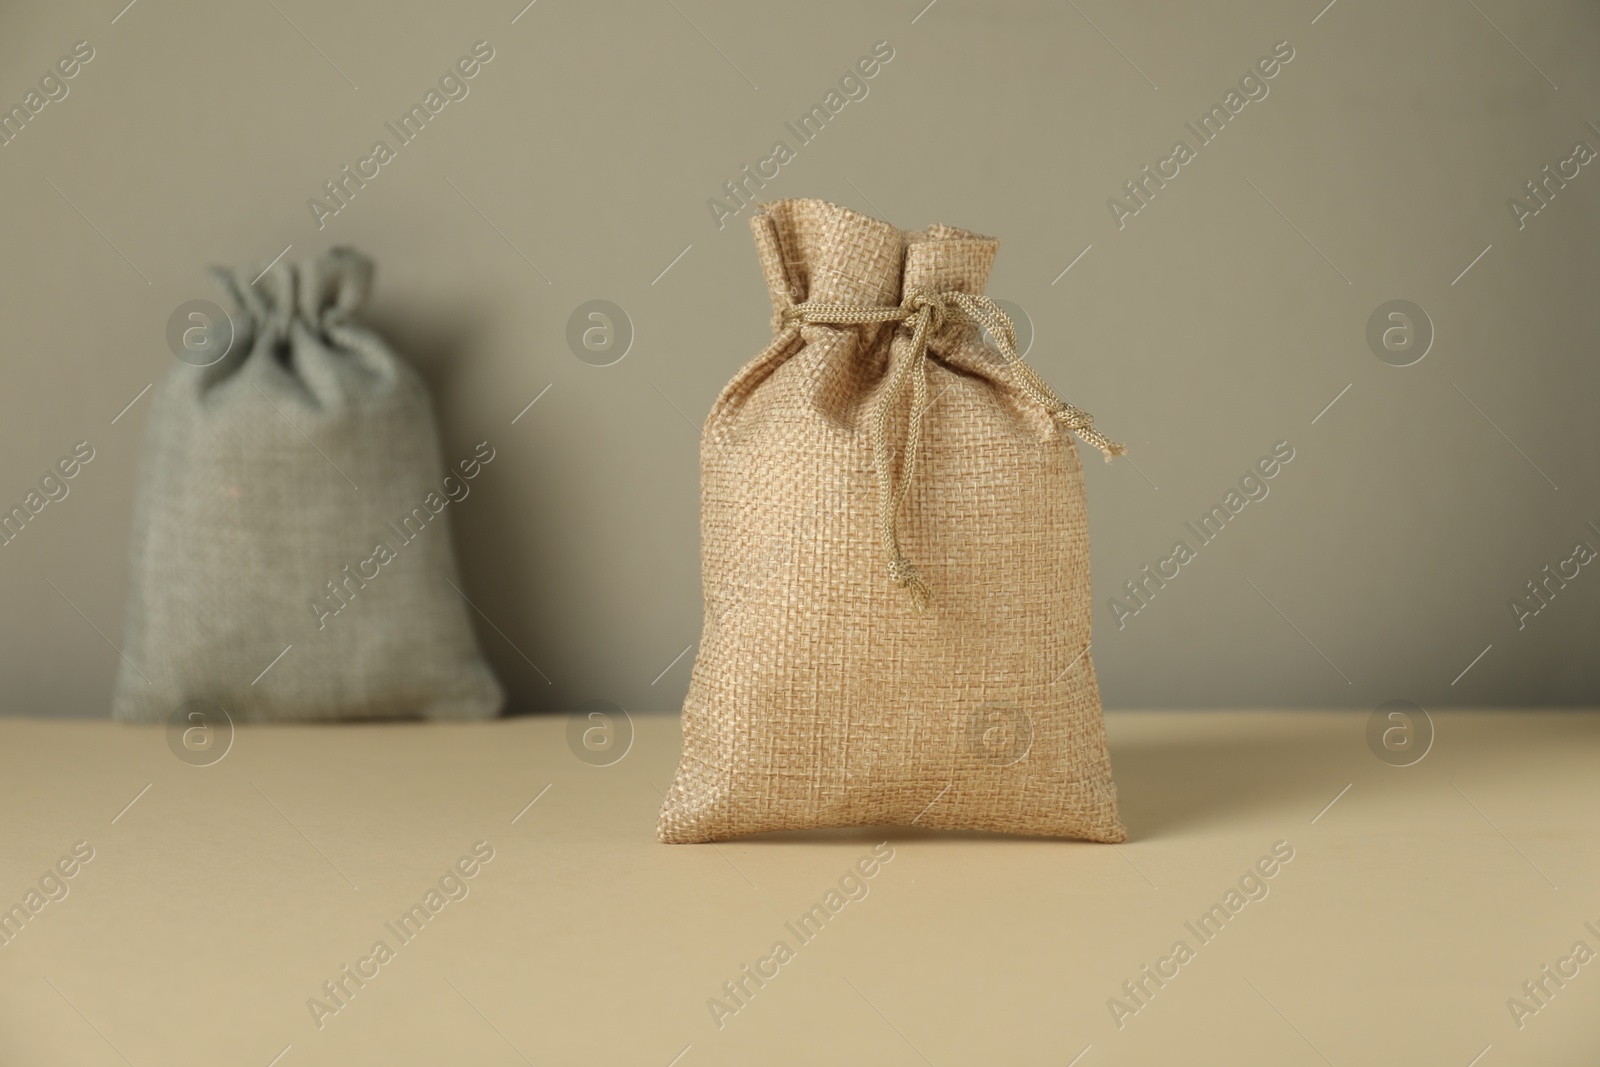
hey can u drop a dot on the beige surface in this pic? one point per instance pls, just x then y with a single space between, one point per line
1201 333
205 919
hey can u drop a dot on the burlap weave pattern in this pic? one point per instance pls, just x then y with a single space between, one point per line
820 695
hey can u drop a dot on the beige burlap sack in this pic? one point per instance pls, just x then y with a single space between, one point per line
291 555
895 559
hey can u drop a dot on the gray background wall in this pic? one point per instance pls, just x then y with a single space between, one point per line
1221 319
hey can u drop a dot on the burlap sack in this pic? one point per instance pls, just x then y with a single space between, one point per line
293 518
895 559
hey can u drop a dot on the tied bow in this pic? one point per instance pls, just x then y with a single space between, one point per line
926 312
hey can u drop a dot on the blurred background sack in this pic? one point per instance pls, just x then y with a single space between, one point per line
291 554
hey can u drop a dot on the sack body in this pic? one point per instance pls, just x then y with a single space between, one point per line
291 503
822 696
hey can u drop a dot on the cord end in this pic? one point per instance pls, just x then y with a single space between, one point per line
903 574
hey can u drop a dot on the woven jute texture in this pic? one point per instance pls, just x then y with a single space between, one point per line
268 482
822 696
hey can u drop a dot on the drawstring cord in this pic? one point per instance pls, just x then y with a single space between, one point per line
927 311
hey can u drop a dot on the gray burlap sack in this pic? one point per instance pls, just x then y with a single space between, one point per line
291 555
895 558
